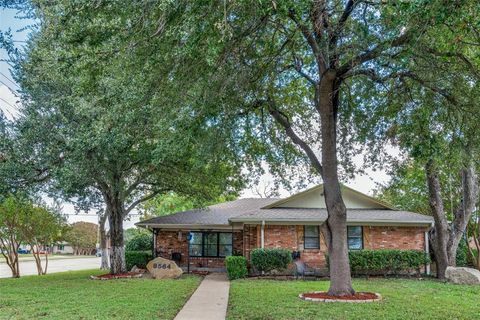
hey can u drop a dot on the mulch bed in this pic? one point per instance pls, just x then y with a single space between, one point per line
108 276
358 297
200 273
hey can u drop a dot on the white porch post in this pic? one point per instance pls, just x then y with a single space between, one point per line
427 252
262 235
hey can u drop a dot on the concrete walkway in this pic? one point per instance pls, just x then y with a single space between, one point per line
209 301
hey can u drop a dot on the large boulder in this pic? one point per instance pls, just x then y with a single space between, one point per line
161 268
461 275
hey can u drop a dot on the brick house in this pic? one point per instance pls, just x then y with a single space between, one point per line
202 238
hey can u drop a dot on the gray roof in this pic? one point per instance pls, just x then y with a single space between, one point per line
218 214
249 210
320 215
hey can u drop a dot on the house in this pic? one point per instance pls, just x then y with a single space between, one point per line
62 248
202 238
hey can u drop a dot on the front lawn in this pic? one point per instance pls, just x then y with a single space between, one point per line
72 295
402 299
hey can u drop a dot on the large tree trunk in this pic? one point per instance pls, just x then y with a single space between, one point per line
464 212
103 242
117 250
441 224
340 277
448 237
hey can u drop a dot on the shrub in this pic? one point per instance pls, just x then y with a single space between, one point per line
386 261
236 267
462 253
140 241
266 260
137 258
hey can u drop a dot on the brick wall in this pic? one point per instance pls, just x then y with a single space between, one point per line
404 238
291 238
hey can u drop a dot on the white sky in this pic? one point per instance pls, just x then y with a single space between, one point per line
9 103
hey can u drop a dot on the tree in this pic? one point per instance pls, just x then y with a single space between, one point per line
102 238
105 127
82 236
12 218
166 204
43 227
435 110
298 62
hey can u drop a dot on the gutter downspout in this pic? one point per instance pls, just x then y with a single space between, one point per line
262 235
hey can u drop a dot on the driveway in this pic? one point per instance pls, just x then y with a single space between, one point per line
56 265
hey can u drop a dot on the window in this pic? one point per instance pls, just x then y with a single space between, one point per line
211 244
61 247
311 237
225 246
355 237
196 244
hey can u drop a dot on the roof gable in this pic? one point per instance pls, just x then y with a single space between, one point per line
313 198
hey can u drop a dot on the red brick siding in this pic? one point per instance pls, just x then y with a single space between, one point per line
404 238
250 239
375 237
291 237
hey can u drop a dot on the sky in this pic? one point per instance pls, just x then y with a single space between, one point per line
9 104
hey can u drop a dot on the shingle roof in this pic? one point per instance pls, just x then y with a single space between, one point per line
217 214
320 215
244 210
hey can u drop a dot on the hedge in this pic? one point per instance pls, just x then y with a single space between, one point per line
236 267
137 258
374 262
266 260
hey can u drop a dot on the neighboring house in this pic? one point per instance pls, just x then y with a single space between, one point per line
293 223
58 248
62 248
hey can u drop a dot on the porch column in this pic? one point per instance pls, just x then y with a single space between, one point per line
262 235
427 252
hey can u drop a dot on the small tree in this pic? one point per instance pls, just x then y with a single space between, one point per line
12 214
43 227
82 236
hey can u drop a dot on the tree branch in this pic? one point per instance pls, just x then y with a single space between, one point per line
312 42
282 119
140 200
373 53
343 19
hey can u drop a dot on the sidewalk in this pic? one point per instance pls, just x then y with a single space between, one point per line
209 301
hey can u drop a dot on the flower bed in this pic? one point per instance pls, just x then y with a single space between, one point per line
108 276
323 296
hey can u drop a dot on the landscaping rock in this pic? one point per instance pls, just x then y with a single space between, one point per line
138 270
461 275
161 268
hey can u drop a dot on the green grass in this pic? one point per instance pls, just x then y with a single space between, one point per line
402 299
72 295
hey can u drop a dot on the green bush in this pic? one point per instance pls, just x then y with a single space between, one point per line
266 260
236 267
370 262
462 253
140 241
137 258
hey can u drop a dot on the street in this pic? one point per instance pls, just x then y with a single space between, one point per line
56 265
